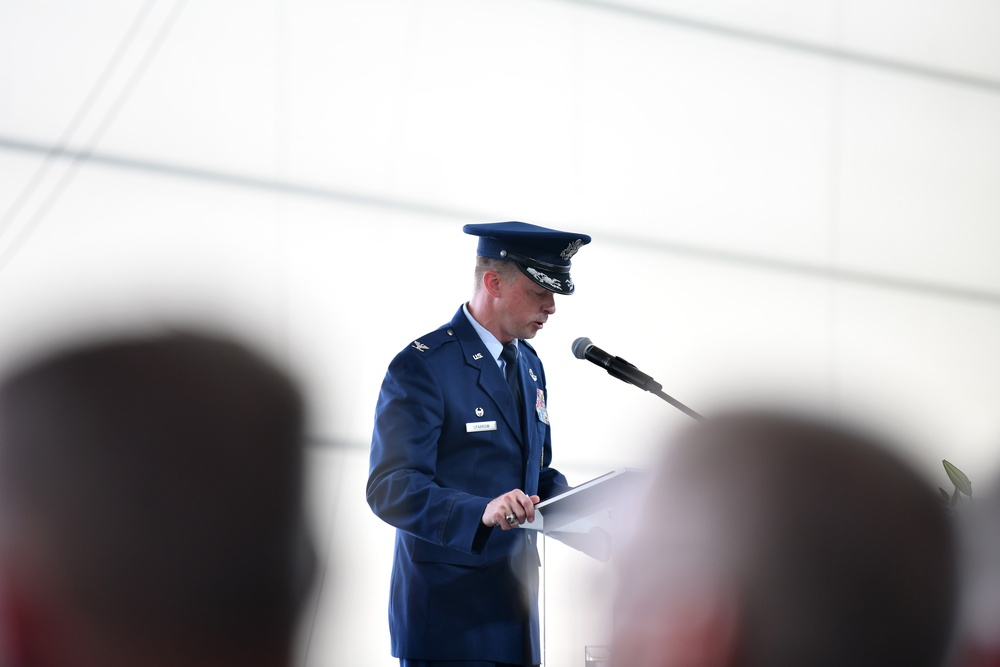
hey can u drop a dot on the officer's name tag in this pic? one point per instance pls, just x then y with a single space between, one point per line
473 427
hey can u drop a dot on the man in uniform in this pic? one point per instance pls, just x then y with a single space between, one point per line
460 454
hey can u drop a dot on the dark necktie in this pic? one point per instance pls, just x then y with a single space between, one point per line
509 356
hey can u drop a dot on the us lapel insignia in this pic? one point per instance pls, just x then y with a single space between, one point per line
477 356
531 372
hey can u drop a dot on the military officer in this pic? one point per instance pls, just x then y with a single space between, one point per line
460 454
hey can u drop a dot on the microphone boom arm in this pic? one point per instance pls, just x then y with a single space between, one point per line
627 372
677 404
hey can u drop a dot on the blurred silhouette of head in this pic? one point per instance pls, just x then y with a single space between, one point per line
778 541
151 504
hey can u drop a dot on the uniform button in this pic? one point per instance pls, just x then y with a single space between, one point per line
450 332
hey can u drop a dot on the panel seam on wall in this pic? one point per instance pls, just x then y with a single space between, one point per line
790 44
987 297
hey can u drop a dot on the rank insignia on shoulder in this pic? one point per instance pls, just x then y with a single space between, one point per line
420 347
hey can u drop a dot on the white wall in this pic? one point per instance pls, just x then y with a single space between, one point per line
790 201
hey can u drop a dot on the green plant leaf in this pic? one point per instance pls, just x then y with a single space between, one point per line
958 478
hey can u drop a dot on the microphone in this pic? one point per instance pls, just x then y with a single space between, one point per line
584 348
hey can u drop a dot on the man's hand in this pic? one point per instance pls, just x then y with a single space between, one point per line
510 510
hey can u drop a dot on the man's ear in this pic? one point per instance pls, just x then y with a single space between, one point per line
698 631
492 282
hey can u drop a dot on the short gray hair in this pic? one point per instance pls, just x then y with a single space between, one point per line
506 268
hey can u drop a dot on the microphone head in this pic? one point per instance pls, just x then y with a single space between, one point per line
580 347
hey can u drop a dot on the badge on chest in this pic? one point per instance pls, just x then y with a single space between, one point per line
476 427
543 412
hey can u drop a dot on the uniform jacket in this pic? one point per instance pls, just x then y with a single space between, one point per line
447 441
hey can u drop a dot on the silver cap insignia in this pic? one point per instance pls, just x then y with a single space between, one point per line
571 249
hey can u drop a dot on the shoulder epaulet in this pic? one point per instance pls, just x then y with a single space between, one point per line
433 340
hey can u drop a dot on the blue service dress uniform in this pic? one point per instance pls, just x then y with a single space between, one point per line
447 440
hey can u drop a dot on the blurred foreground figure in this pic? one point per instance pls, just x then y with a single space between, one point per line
979 641
770 541
151 508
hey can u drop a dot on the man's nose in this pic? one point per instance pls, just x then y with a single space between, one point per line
549 306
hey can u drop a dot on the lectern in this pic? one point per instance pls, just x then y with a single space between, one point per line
575 590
